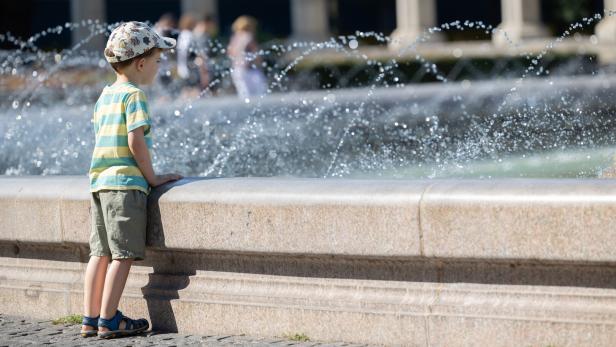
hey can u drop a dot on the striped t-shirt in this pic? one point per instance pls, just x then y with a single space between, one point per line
120 108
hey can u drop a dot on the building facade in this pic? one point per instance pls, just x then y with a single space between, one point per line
314 19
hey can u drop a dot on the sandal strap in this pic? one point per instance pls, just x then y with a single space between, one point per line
132 324
93 322
129 323
113 323
142 322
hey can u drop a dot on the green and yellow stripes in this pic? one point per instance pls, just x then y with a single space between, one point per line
104 163
117 178
118 141
119 110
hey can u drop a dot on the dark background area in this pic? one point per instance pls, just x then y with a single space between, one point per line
24 18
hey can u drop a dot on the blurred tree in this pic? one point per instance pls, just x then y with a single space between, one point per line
572 10
559 14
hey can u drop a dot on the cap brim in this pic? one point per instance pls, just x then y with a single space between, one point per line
166 43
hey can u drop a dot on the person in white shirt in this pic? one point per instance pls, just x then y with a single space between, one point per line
248 79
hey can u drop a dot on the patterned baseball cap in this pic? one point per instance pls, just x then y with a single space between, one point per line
131 39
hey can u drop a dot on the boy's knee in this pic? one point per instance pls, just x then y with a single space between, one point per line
106 256
101 258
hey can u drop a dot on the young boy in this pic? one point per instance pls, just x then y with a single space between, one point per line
120 178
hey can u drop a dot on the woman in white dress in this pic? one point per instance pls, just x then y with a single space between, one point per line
248 79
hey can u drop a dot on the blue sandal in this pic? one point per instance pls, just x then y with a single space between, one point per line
93 322
133 326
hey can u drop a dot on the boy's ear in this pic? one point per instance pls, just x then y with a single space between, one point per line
140 63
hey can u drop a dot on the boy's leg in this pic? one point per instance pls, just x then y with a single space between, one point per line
100 255
114 286
125 222
93 287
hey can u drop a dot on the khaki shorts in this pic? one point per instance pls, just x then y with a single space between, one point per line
118 224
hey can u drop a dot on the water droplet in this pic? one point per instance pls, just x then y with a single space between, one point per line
177 113
353 44
15 104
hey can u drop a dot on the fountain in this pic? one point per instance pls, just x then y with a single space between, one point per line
385 129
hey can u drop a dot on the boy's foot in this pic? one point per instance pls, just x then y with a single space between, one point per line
88 331
120 326
89 327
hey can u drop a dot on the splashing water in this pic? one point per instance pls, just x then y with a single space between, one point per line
525 122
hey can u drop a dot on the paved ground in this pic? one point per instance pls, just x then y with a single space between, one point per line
19 331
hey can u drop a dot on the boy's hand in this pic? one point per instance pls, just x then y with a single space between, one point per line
162 179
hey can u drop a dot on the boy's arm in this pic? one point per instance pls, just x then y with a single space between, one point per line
139 149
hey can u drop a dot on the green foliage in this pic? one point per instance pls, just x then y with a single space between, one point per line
570 11
560 14
72 319
296 337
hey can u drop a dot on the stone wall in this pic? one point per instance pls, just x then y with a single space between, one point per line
430 263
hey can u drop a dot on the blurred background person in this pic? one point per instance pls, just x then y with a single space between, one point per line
246 75
166 27
205 30
187 70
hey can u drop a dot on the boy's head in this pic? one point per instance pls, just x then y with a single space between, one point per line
134 49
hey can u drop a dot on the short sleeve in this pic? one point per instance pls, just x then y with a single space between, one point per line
137 112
